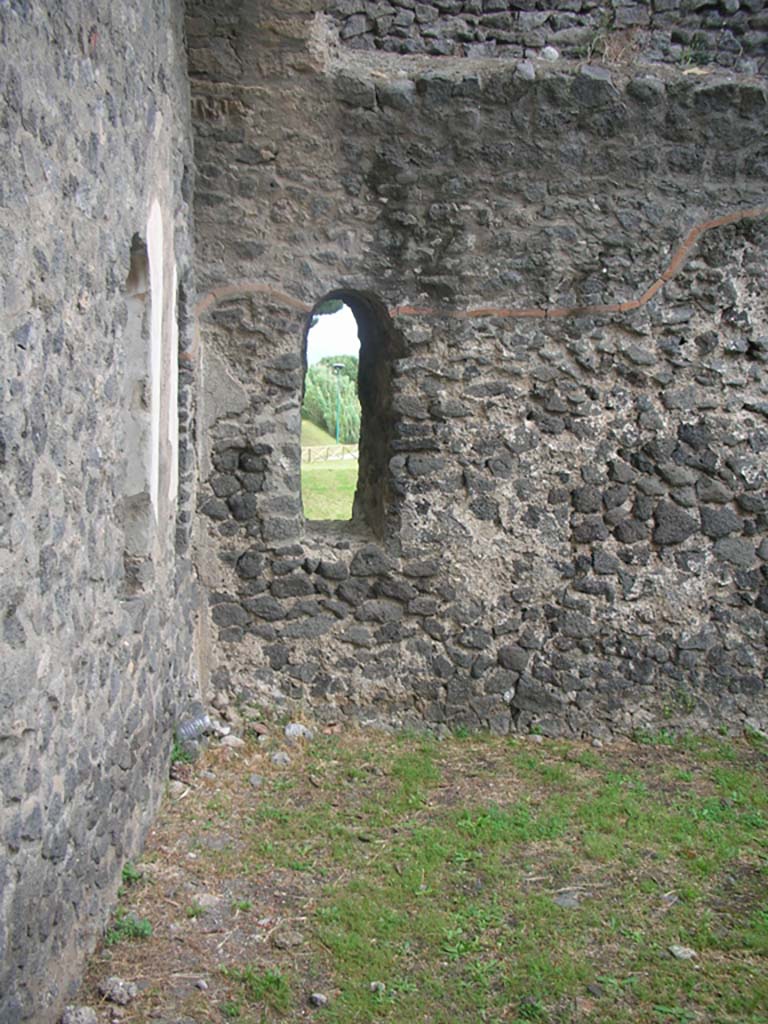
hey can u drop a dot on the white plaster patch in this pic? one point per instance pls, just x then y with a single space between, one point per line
155 250
173 393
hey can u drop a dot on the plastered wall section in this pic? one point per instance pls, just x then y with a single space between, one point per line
575 540
96 628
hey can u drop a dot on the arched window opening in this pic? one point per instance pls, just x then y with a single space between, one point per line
330 413
360 487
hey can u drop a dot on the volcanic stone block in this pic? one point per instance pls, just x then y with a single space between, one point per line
243 506
265 608
738 552
719 522
589 529
224 485
379 610
673 526
539 698
587 499
513 657
370 561
250 564
333 570
298 585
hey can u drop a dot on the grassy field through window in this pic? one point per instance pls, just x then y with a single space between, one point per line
328 488
330 414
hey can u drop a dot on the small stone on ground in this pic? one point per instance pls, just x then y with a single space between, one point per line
567 900
682 952
115 990
297 731
235 742
79 1015
287 939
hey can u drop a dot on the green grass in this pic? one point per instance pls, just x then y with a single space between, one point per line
328 489
126 925
425 878
179 755
258 986
443 915
130 874
312 435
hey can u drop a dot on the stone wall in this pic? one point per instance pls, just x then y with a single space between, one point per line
575 494
96 599
731 33
557 267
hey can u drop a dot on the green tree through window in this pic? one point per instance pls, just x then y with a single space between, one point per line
330 413
330 398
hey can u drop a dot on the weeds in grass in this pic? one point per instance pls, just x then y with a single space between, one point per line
530 1008
131 874
258 985
660 738
179 755
756 739
433 868
126 925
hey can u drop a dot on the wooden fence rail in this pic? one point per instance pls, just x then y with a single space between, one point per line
329 452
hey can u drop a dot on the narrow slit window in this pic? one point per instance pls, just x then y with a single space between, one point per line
138 516
330 413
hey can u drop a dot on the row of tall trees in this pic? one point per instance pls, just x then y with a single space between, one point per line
330 393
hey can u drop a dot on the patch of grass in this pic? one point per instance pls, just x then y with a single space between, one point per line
126 925
131 874
312 435
415 771
662 737
267 986
756 739
697 54
328 489
436 873
194 910
179 755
